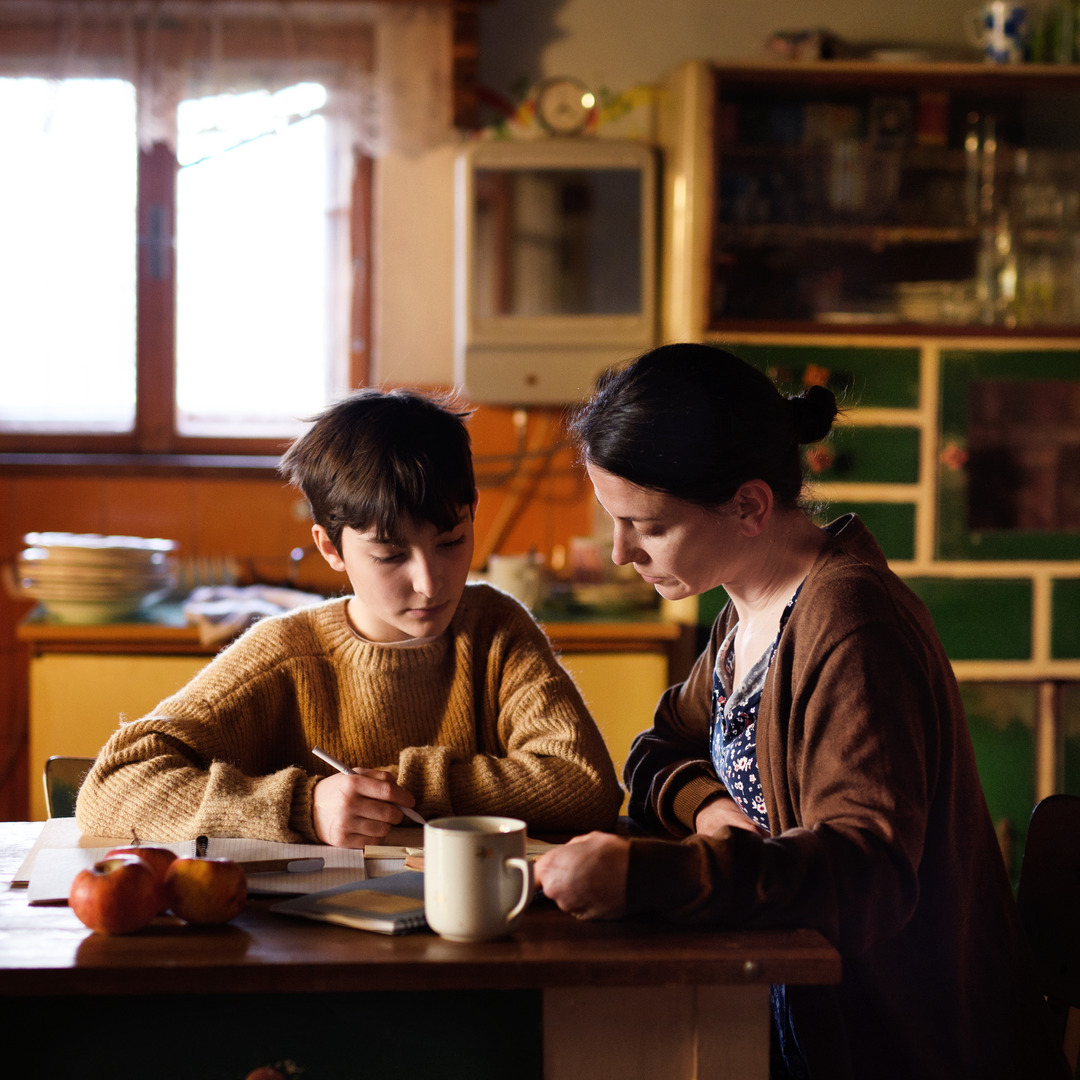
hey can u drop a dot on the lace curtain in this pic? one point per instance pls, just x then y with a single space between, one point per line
388 65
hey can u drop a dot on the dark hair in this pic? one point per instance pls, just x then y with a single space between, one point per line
379 456
696 422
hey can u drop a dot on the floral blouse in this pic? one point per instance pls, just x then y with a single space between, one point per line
733 729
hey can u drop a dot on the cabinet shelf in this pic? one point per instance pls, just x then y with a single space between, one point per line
845 188
875 237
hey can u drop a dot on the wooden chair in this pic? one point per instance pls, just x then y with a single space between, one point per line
63 778
1048 896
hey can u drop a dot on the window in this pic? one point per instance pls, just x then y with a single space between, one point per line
179 241
56 130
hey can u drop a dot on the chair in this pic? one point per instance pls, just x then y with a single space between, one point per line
63 778
1048 896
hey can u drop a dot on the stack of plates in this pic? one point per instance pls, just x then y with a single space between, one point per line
87 578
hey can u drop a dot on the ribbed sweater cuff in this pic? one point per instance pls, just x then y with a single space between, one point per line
300 816
692 795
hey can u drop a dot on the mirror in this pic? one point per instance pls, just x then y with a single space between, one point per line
557 242
555 275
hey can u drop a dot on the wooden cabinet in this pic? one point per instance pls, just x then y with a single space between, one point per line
77 700
908 236
835 196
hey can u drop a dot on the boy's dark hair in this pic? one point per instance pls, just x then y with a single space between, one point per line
379 457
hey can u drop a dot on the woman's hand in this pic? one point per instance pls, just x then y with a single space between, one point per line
587 876
721 811
354 809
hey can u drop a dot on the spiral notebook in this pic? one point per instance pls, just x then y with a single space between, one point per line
386 905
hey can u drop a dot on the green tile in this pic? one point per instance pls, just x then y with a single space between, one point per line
1001 719
710 605
859 376
893 524
1070 722
866 455
957 538
959 608
1065 619
960 366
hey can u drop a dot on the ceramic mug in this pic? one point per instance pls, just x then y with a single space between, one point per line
518 575
477 880
1000 29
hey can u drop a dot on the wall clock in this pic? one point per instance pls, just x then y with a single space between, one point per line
563 105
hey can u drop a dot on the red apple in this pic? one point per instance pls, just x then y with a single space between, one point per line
206 890
116 895
159 859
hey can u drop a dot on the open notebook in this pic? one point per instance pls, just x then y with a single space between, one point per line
61 851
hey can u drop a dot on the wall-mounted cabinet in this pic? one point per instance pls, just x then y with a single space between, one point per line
555 265
937 198
910 237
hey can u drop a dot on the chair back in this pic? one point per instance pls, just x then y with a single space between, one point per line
63 778
1048 896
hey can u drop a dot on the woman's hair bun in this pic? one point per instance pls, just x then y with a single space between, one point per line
813 413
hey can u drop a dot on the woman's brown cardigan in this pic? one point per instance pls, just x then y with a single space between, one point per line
880 836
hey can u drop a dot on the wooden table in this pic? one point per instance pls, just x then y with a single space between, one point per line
560 999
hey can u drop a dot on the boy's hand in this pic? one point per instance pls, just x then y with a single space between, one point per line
357 808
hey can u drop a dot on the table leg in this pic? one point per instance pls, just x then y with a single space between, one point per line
640 1033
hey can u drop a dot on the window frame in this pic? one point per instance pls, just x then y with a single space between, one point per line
154 440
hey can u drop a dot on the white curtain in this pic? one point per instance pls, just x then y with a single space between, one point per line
387 64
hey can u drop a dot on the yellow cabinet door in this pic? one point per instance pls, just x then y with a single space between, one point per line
621 691
77 700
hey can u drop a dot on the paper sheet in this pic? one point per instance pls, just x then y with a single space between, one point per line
62 851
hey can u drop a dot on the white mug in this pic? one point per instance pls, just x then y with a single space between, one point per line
518 575
1000 29
477 880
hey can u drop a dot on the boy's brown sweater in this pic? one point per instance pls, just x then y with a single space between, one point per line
482 720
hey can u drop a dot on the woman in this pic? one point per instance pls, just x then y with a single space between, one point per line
816 762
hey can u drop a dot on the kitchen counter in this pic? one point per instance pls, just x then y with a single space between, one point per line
163 629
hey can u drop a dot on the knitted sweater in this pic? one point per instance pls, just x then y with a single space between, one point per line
880 836
481 720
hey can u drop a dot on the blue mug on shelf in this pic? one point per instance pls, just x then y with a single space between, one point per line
1000 29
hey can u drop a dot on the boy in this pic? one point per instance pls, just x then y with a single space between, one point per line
442 696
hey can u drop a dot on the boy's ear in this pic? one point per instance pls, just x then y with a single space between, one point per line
475 503
326 548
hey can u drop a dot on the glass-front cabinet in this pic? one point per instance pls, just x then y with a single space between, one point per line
904 199
910 238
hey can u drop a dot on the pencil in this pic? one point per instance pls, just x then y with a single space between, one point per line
343 768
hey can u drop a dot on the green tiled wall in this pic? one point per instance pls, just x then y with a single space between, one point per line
1001 719
1065 621
1070 716
979 619
709 606
893 524
881 455
858 376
